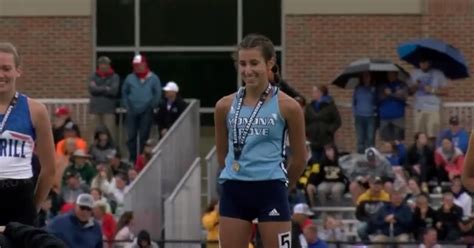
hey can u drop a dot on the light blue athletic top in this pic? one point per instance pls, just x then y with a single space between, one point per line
263 154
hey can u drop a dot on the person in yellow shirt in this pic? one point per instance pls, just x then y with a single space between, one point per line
368 203
210 222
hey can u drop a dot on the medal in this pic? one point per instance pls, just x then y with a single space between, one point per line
235 166
239 138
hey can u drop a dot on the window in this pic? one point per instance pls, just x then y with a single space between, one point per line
263 17
188 22
115 22
207 76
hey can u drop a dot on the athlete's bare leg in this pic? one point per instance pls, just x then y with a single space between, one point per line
234 233
275 234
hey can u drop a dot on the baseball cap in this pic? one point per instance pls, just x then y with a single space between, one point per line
80 153
370 154
138 59
71 173
103 60
302 208
171 86
62 111
375 180
85 200
454 120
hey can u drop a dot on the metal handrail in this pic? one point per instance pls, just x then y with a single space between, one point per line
184 179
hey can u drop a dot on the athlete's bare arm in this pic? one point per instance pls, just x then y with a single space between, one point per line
44 148
220 119
293 114
468 171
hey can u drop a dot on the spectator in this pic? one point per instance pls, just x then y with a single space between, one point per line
467 230
62 118
448 217
210 222
116 164
367 206
309 177
104 180
102 146
77 228
310 232
461 197
429 85
420 160
394 152
375 165
73 187
394 219
62 162
449 161
143 240
44 214
424 216
118 193
80 164
70 132
322 121
430 239
332 230
170 108
141 93
99 198
363 107
392 98
275 79
301 215
456 133
145 157
413 191
333 181
106 221
124 235
132 174
104 86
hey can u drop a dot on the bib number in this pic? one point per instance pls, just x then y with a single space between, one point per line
284 240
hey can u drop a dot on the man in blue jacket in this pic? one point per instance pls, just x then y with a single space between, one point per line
456 133
394 219
141 94
77 228
392 100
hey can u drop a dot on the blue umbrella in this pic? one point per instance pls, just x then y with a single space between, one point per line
443 56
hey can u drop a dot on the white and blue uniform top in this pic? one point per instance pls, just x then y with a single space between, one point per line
17 142
263 154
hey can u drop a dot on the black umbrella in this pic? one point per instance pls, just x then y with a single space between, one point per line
350 77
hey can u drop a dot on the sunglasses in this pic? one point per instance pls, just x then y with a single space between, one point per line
83 208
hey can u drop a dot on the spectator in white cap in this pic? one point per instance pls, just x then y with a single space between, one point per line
170 108
77 228
141 94
301 215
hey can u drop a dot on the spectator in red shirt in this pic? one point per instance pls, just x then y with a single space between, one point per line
106 220
143 158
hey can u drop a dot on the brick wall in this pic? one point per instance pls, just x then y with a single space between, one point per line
318 47
56 54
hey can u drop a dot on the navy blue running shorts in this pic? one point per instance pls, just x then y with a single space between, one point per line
249 200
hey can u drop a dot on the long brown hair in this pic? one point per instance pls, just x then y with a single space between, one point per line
124 220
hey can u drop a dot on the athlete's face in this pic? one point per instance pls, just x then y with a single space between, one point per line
252 66
9 72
